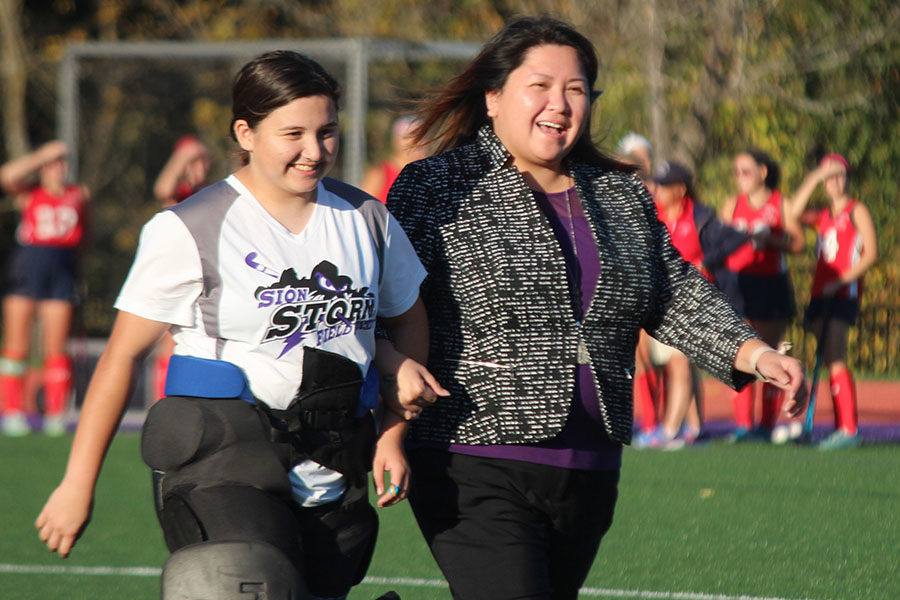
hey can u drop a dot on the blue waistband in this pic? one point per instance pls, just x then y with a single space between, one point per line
210 378
206 378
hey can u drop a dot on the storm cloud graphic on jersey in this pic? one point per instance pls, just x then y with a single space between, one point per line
323 305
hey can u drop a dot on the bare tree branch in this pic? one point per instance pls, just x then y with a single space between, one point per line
723 59
656 47
13 74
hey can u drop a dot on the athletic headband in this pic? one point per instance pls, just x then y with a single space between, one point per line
185 140
835 157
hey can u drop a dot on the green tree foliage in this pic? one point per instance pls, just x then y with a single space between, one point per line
702 79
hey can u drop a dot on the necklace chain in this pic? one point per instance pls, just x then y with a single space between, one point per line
571 222
576 268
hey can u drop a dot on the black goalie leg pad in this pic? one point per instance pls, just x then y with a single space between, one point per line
341 539
231 570
203 442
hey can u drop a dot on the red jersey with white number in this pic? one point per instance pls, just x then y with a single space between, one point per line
838 249
750 259
684 234
49 220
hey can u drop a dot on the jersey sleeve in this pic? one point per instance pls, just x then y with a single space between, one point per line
719 240
403 273
166 277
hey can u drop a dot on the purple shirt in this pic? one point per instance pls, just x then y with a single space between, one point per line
583 442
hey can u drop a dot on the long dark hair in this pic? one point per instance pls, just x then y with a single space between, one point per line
451 116
274 79
773 169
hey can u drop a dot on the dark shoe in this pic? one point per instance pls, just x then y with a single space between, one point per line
758 434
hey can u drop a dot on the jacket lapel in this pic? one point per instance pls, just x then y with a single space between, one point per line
622 255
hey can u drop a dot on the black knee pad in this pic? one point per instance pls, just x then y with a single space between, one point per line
202 514
203 442
229 570
341 538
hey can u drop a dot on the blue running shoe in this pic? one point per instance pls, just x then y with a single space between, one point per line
840 439
646 439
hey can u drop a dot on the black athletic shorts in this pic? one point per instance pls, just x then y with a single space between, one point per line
842 309
42 273
758 297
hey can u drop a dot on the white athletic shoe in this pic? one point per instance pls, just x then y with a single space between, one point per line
15 425
54 425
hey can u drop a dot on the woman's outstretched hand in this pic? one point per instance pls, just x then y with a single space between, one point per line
786 373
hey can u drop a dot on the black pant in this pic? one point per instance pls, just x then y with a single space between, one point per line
503 529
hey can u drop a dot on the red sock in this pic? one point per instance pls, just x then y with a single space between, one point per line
771 405
12 379
57 384
660 396
160 370
743 407
843 393
645 391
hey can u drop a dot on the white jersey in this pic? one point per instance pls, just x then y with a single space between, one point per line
238 286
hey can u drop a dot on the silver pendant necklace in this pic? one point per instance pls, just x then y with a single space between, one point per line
583 357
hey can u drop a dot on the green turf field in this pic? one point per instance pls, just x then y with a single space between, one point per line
714 523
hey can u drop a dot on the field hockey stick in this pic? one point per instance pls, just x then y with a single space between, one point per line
814 386
251 261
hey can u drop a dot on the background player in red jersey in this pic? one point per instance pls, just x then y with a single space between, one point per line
705 242
184 174
846 249
378 179
755 277
636 149
41 280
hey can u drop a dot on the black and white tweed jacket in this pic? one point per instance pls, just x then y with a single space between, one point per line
504 337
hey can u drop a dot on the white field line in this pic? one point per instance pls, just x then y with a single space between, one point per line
410 581
76 570
407 581
653 595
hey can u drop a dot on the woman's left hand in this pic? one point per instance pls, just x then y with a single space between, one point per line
411 389
786 373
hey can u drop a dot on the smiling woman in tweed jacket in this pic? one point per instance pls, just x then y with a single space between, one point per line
544 260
